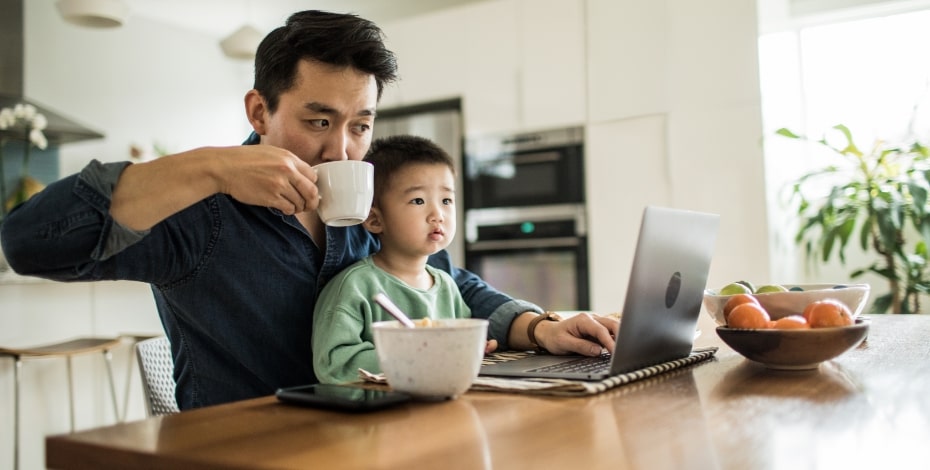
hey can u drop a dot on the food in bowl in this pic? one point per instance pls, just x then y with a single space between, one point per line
748 315
817 314
435 361
793 301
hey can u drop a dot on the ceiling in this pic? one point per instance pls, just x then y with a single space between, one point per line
221 17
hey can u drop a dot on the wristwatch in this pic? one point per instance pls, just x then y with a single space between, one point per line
531 328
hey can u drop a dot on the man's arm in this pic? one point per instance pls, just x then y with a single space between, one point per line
260 175
65 230
510 318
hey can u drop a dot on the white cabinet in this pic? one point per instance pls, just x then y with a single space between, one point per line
430 51
627 49
649 57
625 170
674 118
552 63
492 81
516 64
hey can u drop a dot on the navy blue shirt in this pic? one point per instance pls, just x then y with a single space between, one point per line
234 284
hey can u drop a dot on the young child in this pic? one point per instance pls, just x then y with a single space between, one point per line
413 215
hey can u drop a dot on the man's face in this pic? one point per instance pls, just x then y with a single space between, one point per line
327 115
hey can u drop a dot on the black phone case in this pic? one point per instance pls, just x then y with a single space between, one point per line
340 397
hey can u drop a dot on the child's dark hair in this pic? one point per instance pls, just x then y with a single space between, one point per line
342 40
390 154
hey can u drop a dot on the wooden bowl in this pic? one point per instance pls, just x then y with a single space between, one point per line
794 349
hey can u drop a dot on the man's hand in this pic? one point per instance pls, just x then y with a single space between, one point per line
584 334
268 176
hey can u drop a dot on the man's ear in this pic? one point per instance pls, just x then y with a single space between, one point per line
373 222
256 110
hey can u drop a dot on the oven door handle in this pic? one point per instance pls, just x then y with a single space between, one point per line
528 159
522 244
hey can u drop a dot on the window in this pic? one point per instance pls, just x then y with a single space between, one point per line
871 74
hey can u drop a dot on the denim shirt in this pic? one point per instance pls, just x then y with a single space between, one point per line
234 284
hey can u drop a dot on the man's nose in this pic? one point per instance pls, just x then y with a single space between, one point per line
336 145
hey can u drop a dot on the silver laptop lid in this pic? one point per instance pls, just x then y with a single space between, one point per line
666 288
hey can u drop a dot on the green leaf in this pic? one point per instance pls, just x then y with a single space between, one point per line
850 148
865 233
784 131
882 304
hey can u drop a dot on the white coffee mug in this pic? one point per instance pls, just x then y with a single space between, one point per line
346 189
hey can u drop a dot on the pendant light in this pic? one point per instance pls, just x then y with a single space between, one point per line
94 13
242 43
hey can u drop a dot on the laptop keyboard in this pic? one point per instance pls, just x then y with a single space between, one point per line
583 365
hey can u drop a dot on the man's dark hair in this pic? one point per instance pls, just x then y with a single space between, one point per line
337 39
390 154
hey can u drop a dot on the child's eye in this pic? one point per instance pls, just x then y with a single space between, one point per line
418 201
447 201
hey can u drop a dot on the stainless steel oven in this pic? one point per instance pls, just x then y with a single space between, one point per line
537 253
528 169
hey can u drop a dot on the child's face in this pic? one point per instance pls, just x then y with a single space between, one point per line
417 210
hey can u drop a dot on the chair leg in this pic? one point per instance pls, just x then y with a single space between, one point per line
108 356
17 369
71 393
131 369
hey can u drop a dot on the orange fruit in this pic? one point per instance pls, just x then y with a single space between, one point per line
735 300
791 322
827 313
748 315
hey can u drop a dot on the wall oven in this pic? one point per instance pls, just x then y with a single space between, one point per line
525 221
530 169
539 254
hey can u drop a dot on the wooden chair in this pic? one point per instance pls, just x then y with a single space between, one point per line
66 349
157 370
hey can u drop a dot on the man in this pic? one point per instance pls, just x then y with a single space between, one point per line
229 238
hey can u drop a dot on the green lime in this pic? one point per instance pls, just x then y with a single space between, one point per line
748 284
771 288
734 288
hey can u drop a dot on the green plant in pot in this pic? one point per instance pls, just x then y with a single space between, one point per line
877 198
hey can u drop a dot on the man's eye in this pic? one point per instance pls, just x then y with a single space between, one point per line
362 128
321 123
418 201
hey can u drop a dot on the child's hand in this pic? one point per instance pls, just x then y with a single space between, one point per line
490 346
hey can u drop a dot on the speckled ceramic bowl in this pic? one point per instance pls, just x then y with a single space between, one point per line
435 362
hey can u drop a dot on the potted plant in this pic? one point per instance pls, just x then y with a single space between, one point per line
877 198
20 123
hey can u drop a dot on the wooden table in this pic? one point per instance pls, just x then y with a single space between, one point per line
870 408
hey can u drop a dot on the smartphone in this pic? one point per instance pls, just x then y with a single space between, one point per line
341 397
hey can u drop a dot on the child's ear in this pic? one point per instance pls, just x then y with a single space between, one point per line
373 222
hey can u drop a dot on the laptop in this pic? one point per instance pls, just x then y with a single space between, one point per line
660 312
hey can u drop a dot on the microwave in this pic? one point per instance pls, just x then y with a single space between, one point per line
528 169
